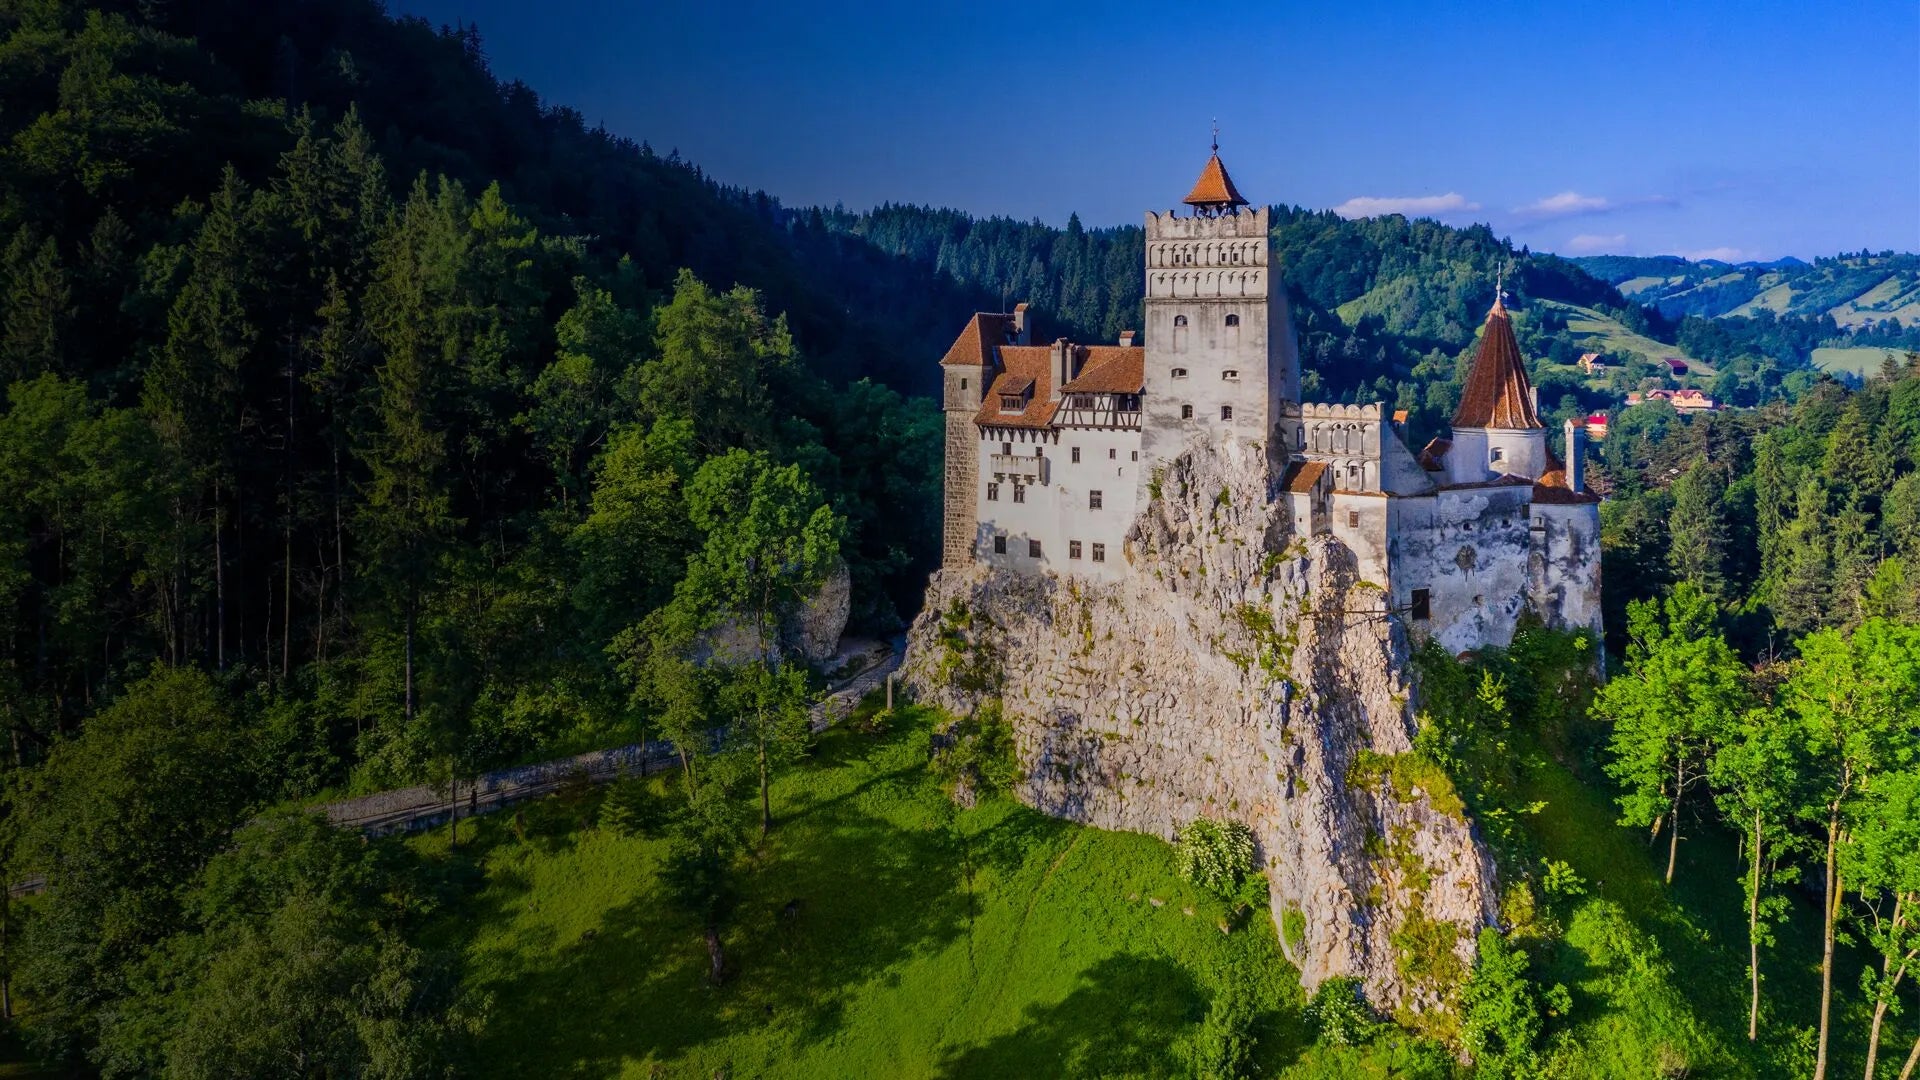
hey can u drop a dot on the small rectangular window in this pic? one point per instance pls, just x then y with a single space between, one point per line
1186 412
993 492
1498 453
1076 455
1353 519
1006 448
963 382
1033 548
1019 493
1226 412
1073 549
1419 607
1112 453
1039 451
999 545
1099 553
1093 500
1136 455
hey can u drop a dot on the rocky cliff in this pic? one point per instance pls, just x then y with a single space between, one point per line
1233 673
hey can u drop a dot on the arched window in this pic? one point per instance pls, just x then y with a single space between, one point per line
1179 373
1179 320
1233 320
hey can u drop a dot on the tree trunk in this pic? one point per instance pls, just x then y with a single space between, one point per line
1913 1059
766 801
1673 841
1829 912
716 960
453 815
1753 934
219 582
1889 985
409 662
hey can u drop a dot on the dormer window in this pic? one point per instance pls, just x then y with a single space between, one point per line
1233 320
1012 402
1179 373
1179 320
1230 374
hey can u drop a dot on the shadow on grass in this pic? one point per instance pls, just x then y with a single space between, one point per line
841 893
1125 1016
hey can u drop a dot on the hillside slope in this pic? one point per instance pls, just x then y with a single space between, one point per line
1857 290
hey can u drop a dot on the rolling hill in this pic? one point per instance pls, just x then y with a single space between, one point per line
1856 290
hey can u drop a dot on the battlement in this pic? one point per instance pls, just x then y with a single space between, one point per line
1250 223
1313 410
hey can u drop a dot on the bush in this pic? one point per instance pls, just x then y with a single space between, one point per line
1339 1012
633 808
1223 1047
1502 1014
979 753
1215 855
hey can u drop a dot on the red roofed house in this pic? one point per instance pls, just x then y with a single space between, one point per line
1052 449
1675 365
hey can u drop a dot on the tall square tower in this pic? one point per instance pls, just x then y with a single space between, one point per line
1220 349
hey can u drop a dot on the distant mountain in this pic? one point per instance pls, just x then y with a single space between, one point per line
1857 290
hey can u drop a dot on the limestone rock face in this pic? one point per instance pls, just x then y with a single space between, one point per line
1231 673
810 633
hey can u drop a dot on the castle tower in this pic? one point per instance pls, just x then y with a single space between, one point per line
1220 350
966 371
1497 430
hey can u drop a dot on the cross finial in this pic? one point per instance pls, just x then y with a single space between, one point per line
1216 134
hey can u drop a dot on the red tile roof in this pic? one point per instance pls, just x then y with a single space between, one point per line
1552 486
978 338
1302 475
1433 456
1108 369
1497 394
1215 187
1027 366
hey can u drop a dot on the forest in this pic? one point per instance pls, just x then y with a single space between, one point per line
368 422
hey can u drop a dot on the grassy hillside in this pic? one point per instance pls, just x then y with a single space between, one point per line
1597 331
993 942
925 942
1862 361
1856 290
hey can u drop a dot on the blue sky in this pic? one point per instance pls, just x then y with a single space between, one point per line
1737 130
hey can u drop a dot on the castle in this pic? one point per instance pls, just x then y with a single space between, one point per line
1053 449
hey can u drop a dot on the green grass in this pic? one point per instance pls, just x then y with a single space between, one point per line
1596 332
927 942
1863 361
996 942
1658 973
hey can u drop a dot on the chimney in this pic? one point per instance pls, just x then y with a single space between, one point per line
1576 455
1062 365
1022 325
1533 397
1126 339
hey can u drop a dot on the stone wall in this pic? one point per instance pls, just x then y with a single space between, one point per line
1236 673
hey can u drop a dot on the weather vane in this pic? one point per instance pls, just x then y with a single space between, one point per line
1216 134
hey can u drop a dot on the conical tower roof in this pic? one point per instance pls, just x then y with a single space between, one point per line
1497 394
1214 190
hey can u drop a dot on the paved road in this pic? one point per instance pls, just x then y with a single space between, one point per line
425 806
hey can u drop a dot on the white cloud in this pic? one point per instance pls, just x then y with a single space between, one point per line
1591 244
1719 254
1573 204
1410 205
1565 204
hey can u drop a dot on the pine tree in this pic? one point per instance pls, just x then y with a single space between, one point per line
1698 552
36 308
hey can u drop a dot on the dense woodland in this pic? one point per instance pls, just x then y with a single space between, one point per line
368 422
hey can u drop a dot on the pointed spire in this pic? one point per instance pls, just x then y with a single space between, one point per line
1214 191
1498 393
